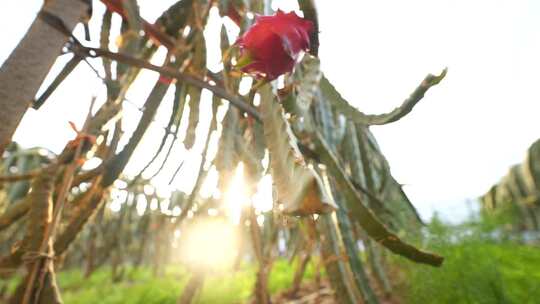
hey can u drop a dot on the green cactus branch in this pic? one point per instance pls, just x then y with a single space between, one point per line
335 98
174 120
366 218
299 187
202 173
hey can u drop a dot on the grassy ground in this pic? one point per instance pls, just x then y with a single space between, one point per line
478 267
142 287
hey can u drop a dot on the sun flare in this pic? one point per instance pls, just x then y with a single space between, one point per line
209 244
236 197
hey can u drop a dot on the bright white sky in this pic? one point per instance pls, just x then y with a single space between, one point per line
458 141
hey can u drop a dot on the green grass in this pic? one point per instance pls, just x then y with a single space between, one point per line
477 268
138 289
142 287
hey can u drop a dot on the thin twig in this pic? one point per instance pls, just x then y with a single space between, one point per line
176 172
236 100
19 177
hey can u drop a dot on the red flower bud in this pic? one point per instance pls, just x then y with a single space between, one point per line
271 46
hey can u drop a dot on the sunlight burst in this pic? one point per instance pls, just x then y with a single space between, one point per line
209 244
236 197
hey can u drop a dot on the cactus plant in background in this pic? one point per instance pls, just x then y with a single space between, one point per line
518 191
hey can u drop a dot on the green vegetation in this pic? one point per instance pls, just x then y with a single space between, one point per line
483 265
140 286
